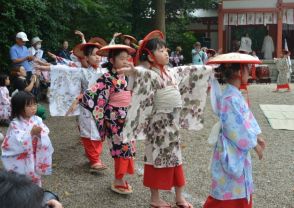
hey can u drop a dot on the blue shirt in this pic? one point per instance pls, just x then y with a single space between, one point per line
197 57
17 52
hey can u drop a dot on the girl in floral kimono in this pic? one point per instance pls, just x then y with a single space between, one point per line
163 101
5 108
284 71
27 148
65 81
108 100
237 133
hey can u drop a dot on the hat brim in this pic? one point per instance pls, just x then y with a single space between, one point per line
24 39
211 51
133 40
152 35
104 51
234 58
99 40
78 50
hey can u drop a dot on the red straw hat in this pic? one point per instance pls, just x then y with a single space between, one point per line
238 58
99 40
79 49
104 51
211 51
152 35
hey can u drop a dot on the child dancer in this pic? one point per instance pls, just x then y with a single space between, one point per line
66 79
108 100
5 109
164 100
284 72
27 148
231 168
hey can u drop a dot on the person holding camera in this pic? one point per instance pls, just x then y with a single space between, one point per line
198 56
17 191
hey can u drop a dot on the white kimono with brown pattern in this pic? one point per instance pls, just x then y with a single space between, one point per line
160 129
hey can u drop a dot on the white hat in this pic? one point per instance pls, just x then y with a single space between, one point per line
36 40
22 35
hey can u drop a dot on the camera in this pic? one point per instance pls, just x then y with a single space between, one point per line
48 195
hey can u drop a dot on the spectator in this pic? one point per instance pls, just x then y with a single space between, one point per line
198 56
17 191
19 54
64 52
176 57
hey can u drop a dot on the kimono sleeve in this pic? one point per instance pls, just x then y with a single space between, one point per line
141 106
193 85
95 100
64 88
238 124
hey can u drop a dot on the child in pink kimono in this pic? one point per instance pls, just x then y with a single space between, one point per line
5 109
27 148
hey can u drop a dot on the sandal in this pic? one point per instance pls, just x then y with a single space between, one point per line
126 189
97 168
184 205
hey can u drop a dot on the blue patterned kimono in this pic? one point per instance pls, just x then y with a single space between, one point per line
231 167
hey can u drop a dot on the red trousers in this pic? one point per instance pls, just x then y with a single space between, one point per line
93 149
235 203
163 178
123 166
284 86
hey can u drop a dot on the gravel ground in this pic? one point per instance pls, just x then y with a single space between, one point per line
77 188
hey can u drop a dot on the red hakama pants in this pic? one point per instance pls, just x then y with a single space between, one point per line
93 150
235 203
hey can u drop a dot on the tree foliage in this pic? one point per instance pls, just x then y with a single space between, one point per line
56 20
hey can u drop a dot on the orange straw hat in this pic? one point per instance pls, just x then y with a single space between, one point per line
79 49
99 40
104 51
238 58
152 35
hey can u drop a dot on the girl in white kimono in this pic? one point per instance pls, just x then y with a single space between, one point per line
163 101
66 85
5 109
27 148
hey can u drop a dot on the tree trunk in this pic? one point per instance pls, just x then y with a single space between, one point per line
160 15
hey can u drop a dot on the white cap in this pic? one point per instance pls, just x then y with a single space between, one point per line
36 40
23 36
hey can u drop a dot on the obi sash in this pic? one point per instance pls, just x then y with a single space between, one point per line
167 99
120 99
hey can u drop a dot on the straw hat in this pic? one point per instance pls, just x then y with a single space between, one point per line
79 49
133 40
99 40
211 51
104 51
238 58
152 35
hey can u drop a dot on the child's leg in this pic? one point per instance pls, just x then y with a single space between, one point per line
156 201
122 166
93 150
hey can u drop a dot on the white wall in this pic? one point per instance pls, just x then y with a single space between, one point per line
250 4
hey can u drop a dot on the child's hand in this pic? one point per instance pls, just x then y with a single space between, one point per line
129 70
261 141
259 151
116 34
36 130
73 107
79 33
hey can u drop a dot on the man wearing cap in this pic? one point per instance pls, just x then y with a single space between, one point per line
19 54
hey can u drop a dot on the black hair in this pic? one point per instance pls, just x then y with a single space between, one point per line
112 54
88 50
228 70
17 191
152 45
3 77
19 101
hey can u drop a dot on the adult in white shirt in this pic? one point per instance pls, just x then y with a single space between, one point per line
268 47
246 43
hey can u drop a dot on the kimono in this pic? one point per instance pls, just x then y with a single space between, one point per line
5 108
161 105
231 168
283 69
108 101
66 85
24 154
268 47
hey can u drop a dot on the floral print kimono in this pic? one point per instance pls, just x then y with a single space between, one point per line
24 154
5 109
67 84
283 69
161 105
110 118
231 168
